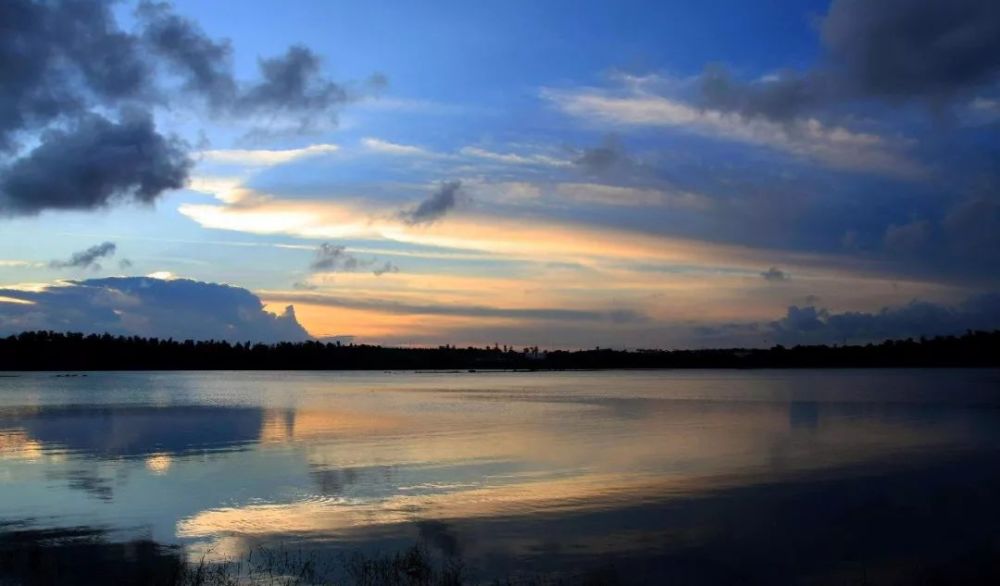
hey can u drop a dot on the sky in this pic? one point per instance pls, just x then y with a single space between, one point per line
557 174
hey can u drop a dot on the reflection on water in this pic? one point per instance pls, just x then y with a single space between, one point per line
82 555
125 431
699 477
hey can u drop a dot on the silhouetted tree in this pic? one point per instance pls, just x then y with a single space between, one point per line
75 351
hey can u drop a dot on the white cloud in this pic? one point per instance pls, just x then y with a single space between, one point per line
162 275
392 148
385 147
212 184
512 237
15 301
835 146
20 264
513 158
227 189
411 105
265 158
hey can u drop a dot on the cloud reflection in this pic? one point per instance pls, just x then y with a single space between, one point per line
564 454
501 466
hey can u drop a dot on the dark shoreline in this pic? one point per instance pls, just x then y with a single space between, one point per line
51 351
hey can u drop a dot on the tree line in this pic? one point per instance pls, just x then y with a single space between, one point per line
45 350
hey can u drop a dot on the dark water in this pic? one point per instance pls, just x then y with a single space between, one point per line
765 477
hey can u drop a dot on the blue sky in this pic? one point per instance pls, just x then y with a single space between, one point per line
564 174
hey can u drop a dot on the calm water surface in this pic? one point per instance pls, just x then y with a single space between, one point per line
704 477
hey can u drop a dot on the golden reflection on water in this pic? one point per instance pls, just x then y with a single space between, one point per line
318 457
16 445
159 463
563 458
287 425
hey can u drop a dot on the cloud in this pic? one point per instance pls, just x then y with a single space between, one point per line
600 160
834 146
385 147
179 309
781 97
183 46
264 157
512 158
57 58
331 257
399 308
392 148
88 258
775 275
601 194
386 267
809 324
20 264
292 84
93 164
378 81
890 50
973 228
67 66
907 238
982 111
436 206
162 275
500 236
901 49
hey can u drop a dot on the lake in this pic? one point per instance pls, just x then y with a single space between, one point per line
686 477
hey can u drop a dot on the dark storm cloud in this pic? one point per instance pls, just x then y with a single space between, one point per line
88 258
92 164
57 58
66 66
896 50
781 98
816 325
393 307
436 206
775 275
183 46
179 309
914 48
292 83
108 58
